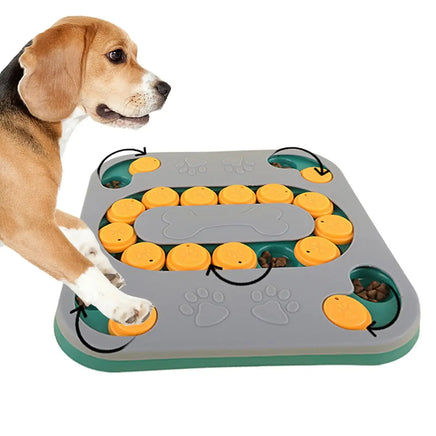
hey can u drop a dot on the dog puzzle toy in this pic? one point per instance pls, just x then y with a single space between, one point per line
249 257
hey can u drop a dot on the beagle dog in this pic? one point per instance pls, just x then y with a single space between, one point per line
80 66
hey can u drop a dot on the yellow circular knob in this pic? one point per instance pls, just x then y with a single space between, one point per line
237 194
144 255
188 257
315 203
198 196
335 228
116 237
144 165
346 312
125 211
117 329
315 250
274 193
234 255
160 196
314 176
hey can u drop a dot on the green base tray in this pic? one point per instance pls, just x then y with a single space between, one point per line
216 362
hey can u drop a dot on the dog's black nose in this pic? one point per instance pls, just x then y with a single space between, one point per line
163 89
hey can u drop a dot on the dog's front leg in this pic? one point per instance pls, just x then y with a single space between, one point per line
81 236
46 246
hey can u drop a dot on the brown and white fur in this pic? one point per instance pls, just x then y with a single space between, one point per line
79 67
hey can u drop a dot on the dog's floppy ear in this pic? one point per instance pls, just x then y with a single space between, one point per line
53 65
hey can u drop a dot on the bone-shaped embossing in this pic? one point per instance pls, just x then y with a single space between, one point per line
184 222
224 223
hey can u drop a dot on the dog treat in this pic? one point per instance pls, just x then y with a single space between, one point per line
374 292
114 184
279 165
277 262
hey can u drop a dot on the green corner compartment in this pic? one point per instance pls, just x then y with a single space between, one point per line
119 172
216 362
293 161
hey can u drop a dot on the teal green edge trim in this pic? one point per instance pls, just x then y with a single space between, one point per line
200 362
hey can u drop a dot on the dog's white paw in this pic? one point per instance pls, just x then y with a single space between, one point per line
132 311
96 256
92 287
84 240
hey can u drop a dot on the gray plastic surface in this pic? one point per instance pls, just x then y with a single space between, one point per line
201 316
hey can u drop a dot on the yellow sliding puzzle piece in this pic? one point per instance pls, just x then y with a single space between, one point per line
346 312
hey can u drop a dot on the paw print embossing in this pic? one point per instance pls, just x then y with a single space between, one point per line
274 307
206 308
192 166
238 165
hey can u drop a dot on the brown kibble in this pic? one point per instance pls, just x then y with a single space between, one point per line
357 285
372 285
262 262
380 296
382 288
372 293
266 259
281 262
114 184
279 165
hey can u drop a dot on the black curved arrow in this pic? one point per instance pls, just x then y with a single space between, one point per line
397 314
321 171
81 309
140 153
213 268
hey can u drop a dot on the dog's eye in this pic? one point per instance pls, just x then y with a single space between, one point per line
117 56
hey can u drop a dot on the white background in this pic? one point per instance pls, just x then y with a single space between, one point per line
352 81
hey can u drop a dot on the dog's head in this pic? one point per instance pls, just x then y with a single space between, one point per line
91 64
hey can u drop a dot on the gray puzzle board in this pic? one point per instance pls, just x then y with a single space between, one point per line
204 321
